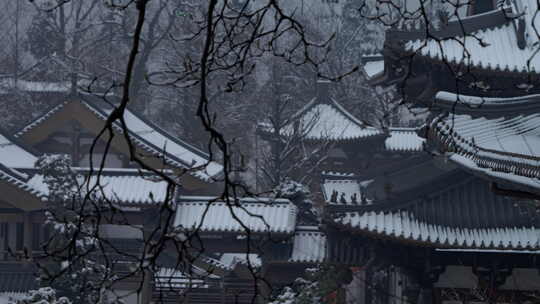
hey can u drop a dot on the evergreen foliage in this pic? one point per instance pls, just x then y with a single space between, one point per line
73 213
320 285
45 295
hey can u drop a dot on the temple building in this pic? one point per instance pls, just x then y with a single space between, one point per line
459 225
443 213
70 128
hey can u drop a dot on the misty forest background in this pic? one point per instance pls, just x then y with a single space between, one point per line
82 46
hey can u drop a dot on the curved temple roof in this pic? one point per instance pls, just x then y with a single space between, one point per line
326 120
406 227
148 137
15 156
505 145
20 181
486 106
258 215
404 140
156 139
504 40
458 210
309 245
124 186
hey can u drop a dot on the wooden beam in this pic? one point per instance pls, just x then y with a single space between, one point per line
513 193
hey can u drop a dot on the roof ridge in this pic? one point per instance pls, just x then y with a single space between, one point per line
198 156
457 28
404 129
138 139
190 147
349 115
469 104
51 110
18 142
336 173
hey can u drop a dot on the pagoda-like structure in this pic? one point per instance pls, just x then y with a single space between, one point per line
458 223
269 245
478 76
444 213
69 128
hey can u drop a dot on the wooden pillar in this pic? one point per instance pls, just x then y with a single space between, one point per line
430 275
28 234
426 294
263 286
12 237
76 144
146 290
148 226
223 292
153 219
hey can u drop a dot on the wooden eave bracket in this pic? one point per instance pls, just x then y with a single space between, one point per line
512 192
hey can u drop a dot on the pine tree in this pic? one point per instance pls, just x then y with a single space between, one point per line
320 285
45 295
71 212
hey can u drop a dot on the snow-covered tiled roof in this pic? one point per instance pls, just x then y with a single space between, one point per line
125 186
509 145
374 68
403 226
530 184
15 156
35 123
404 140
157 140
341 188
150 138
258 215
19 180
234 259
17 278
460 103
331 121
34 86
11 296
493 48
309 246
325 120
